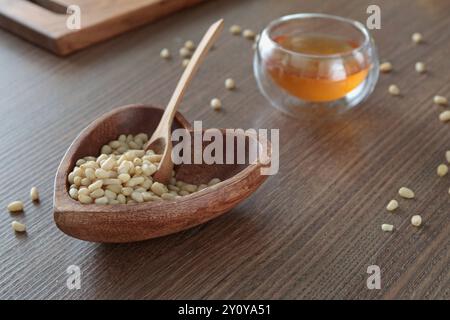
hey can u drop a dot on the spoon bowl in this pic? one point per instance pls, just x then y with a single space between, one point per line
136 222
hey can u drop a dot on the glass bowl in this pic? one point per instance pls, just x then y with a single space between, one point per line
315 63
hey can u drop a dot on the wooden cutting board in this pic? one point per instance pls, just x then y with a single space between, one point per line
44 22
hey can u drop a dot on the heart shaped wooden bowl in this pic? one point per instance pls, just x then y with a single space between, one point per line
136 222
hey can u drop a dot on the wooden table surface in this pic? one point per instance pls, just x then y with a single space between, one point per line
310 231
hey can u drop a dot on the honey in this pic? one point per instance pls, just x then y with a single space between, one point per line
325 69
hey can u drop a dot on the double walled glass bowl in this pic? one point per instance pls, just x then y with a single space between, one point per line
299 82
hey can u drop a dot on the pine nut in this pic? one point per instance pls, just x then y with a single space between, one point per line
15 206
83 191
392 205
168 196
106 149
110 195
185 52
387 227
108 164
417 38
85 182
84 198
73 193
183 193
440 100
155 157
406 193
229 84
185 63
214 181
96 185
108 182
159 188
135 181
386 67
235 30
248 34
416 220
420 67
190 45
137 196
98 193
149 169
101 174
394 90
189 188
445 116
116 188
173 188
447 156
18 227
165 53
124 177
102 200
122 199
34 194
442 170
216 104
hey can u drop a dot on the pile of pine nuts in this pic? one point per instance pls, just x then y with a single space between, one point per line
122 174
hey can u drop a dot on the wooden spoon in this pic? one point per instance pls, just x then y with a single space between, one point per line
160 141
135 222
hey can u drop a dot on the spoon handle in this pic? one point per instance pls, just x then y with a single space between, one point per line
197 58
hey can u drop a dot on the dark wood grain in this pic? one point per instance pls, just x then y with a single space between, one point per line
310 231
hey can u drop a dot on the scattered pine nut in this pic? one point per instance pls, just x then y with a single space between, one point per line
387 227
442 170
394 90
417 38
34 194
445 116
440 100
386 67
249 34
18 227
392 205
416 221
229 84
185 52
165 53
235 30
190 45
406 193
420 67
214 181
216 104
185 62
447 156
15 206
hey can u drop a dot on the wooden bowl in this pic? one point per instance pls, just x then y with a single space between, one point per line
136 222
